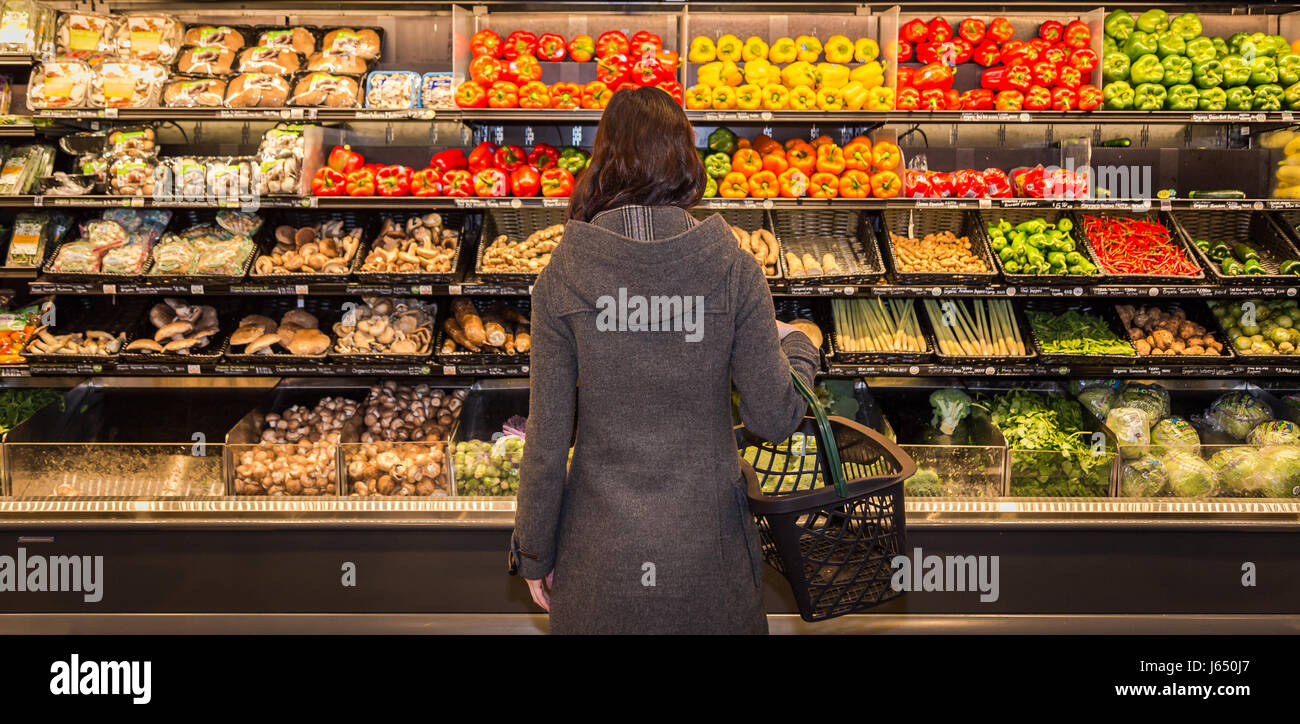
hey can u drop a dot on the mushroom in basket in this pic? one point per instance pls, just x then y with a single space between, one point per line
181 327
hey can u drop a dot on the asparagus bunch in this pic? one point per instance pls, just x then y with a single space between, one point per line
975 327
877 325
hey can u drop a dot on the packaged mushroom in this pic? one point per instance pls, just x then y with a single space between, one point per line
257 90
142 36
392 89
502 329
206 60
269 59
297 454
192 92
420 244
280 159
132 177
299 40
126 84
324 248
334 61
363 42
529 256
403 448
761 245
25 26
184 178
297 333
438 90
59 84
85 35
90 343
326 89
180 328
225 36
231 178
381 325
131 142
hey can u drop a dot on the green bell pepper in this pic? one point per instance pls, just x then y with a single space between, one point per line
1264 44
1170 43
1118 96
1235 71
1280 44
1139 44
1212 99
1183 97
1221 49
1240 99
717 165
1291 97
573 159
1119 25
1268 97
1177 70
722 140
1263 71
1154 20
1235 42
1149 97
1114 66
1208 74
1108 45
710 187
1188 25
1200 50
1288 67
1146 69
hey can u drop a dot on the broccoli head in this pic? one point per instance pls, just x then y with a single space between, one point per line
951 406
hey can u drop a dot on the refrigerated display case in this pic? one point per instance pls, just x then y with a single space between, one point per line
242 478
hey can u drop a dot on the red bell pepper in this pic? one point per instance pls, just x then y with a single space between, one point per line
1064 99
905 76
927 52
964 49
344 160
1089 97
993 78
1044 74
952 100
1077 35
543 156
613 69
914 31
393 180
525 181
940 184
550 47
904 51
1085 59
486 43
1038 99
672 88
523 69
361 183
909 99
534 94
1009 100
916 185
987 54
426 182
628 85
932 99
1067 76
470 95
979 99
486 70
509 158
556 182
1000 30
645 43
933 75
566 95
1055 55
1039 44
971 30
645 71
596 95
668 62
328 182
457 182
452 158
967 183
491 182
1051 31
612 43
520 42
481 157
503 94
1018 77
582 48
997 184
940 30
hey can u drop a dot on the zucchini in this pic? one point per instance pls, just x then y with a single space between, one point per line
1218 194
1117 143
1243 253
1290 266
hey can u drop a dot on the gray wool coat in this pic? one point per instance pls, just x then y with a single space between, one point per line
649 531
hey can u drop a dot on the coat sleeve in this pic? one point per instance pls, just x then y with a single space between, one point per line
553 367
770 406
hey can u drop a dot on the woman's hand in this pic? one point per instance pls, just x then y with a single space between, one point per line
540 588
783 329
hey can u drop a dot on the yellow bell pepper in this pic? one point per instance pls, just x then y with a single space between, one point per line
830 99
866 50
1289 175
754 49
1287 192
839 49
855 95
760 72
810 48
880 99
871 74
731 74
783 50
702 50
802 98
724 98
749 97
699 97
729 48
710 74
775 97
800 73
832 75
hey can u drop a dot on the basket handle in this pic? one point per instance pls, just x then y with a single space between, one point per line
826 438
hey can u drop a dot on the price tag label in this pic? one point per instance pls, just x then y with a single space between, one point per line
192 369
38 201
449 369
986 203
110 289
300 289
196 289
425 289
453 289
1166 205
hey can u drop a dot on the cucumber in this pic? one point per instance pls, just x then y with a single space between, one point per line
1117 143
1218 194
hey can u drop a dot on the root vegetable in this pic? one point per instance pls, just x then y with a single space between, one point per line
469 321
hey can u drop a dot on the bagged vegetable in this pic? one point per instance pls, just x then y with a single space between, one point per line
1275 432
1237 471
1175 433
1279 471
1151 399
1237 413
1189 476
1099 400
489 468
1142 478
1131 429
1076 387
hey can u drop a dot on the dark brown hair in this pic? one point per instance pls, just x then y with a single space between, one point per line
644 154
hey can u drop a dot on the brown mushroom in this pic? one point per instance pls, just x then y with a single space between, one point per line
246 334
308 342
144 344
180 345
171 330
262 344
301 318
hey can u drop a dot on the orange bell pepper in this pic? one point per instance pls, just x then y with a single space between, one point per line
886 156
857 155
886 185
775 162
824 186
802 157
830 159
793 182
746 161
792 142
733 186
742 142
855 184
821 140
764 185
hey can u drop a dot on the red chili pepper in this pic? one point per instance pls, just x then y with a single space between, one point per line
1136 246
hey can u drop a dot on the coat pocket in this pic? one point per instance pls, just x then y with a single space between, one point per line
748 529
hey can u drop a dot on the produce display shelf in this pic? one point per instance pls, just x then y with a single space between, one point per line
1039 369
239 114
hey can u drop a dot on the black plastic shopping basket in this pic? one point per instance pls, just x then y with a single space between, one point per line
829 507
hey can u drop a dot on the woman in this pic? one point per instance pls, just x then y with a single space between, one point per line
641 323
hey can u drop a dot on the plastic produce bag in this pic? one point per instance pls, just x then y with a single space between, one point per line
1189 476
1099 400
1176 433
1151 399
1237 413
1076 387
1237 471
1131 429
489 468
1279 471
1142 478
1274 432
